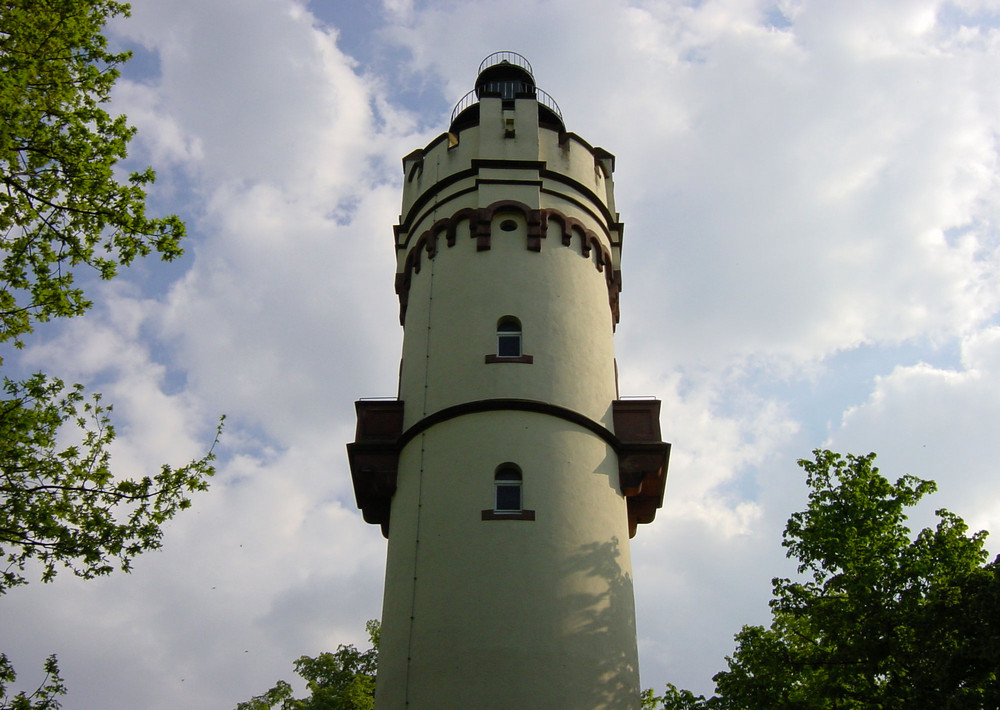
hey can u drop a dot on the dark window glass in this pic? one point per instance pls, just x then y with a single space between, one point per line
508 496
509 345
509 338
507 482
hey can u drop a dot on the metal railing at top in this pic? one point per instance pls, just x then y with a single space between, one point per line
548 102
472 98
464 103
510 57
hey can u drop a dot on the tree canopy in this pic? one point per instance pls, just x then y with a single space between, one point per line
62 206
342 680
878 618
66 211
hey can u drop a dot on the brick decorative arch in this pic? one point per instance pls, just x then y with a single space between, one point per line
480 228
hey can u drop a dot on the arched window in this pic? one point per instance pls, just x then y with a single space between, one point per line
509 343
508 495
507 489
509 337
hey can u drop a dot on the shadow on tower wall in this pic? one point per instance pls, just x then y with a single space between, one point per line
601 631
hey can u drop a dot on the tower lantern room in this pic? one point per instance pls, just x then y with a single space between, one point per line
505 75
508 474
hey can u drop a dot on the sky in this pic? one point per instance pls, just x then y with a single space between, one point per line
811 199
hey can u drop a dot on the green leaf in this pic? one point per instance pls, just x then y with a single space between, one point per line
63 209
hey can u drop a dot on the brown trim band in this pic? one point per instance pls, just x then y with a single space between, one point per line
610 230
542 173
642 457
480 227
492 359
509 405
489 514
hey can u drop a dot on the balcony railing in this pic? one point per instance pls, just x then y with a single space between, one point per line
502 89
509 57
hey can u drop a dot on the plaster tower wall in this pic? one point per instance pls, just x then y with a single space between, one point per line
508 275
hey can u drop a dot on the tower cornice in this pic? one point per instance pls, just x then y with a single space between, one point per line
438 196
480 228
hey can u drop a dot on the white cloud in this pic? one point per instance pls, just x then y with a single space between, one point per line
264 94
266 567
939 424
280 305
774 184
398 9
107 350
297 202
802 210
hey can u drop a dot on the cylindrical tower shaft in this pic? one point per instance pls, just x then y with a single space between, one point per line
508 474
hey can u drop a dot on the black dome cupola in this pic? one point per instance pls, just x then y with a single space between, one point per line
508 76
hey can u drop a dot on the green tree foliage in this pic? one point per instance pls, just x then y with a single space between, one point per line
878 618
673 698
60 504
342 680
43 698
62 206
65 212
